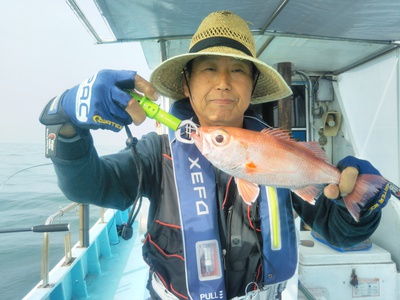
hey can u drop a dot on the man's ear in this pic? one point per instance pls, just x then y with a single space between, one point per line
185 87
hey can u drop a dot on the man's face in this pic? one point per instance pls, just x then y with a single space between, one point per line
220 90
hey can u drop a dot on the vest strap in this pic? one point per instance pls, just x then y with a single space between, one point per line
195 181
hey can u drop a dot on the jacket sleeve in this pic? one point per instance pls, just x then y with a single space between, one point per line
108 181
334 223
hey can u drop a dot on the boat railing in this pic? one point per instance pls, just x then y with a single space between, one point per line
83 237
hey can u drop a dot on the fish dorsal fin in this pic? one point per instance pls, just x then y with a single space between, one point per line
316 149
284 134
279 133
247 190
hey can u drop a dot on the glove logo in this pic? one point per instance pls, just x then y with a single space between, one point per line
98 119
83 97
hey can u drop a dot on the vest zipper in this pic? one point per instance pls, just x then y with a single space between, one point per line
224 258
227 238
228 230
228 246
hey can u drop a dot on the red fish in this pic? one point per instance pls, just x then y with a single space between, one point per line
272 158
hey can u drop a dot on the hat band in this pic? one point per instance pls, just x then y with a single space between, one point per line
218 42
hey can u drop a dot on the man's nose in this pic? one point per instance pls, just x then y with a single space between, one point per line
224 80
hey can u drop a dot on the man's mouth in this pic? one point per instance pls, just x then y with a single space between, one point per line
222 101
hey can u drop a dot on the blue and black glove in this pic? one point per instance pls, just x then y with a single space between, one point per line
97 103
365 167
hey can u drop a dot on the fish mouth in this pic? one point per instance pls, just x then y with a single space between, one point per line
200 142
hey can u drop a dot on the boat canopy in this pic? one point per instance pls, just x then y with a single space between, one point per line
318 36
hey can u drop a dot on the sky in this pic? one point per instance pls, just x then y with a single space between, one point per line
45 50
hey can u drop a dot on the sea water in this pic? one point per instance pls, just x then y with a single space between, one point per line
28 196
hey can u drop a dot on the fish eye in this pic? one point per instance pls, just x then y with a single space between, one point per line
220 137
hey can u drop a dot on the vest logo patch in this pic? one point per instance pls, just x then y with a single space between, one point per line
201 208
197 178
236 241
211 296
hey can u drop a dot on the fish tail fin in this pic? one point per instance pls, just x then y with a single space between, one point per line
310 193
367 186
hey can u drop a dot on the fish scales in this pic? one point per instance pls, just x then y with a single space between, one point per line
275 161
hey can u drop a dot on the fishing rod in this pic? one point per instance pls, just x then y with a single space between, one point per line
24 169
40 228
153 111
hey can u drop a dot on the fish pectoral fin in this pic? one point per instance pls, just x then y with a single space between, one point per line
247 190
310 193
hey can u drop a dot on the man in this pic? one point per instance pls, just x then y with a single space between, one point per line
202 238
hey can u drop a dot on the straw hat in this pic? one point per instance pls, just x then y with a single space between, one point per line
226 34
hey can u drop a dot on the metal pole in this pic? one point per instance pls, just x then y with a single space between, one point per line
102 214
285 104
45 251
67 248
309 108
305 292
84 225
45 260
81 16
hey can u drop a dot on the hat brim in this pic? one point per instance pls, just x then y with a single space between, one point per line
168 78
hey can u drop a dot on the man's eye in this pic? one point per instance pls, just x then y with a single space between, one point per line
241 71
